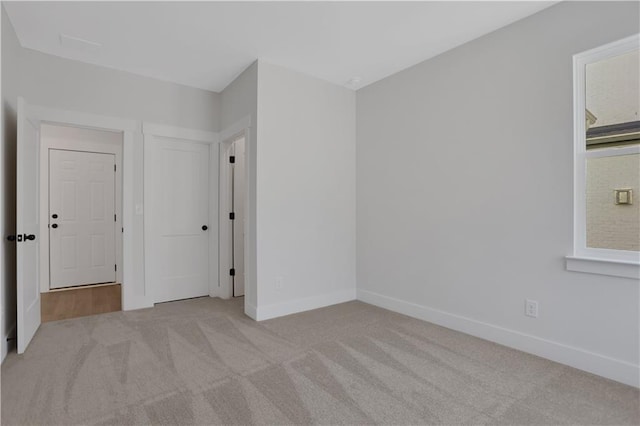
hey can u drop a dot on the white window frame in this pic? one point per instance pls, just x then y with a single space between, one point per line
622 263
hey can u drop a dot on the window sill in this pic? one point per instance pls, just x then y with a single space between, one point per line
612 268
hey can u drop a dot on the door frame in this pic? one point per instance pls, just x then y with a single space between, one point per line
228 136
150 131
127 128
95 147
225 224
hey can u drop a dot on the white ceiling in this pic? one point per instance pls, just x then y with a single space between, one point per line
207 44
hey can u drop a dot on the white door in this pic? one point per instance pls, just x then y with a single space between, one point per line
176 218
81 218
238 189
27 224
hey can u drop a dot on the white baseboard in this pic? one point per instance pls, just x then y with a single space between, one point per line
250 311
611 368
6 344
132 303
300 305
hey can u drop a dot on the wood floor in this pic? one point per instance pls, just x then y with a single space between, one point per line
80 302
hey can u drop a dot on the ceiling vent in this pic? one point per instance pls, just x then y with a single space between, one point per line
76 43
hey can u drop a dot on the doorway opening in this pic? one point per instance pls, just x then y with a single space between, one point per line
33 215
81 220
233 196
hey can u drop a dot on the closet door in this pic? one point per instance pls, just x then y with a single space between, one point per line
176 218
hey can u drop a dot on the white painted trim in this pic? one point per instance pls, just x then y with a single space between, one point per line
6 344
602 365
250 311
214 222
301 305
225 282
179 132
580 61
82 119
236 128
611 268
130 298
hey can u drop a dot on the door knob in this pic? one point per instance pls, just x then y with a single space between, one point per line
205 227
55 225
55 216
29 237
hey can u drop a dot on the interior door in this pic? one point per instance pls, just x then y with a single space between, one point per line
177 218
81 218
238 184
27 224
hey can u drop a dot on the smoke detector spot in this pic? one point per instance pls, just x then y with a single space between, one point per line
77 43
354 81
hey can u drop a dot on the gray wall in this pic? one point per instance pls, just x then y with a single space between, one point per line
465 192
305 200
65 84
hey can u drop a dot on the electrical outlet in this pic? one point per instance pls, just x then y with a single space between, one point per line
279 283
531 308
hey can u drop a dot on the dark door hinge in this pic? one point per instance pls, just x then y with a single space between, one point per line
115 267
232 216
232 272
114 218
114 167
232 159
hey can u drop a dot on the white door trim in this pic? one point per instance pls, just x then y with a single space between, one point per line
128 128
235 130
179 133
225 289
152 130
71 145
82 119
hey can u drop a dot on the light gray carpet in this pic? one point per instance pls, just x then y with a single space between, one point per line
203 362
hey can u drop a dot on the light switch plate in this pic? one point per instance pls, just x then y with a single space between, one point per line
624 196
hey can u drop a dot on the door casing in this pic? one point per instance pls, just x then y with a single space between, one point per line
225 196
128 128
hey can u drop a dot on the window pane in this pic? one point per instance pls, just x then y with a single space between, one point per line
612 223
613 101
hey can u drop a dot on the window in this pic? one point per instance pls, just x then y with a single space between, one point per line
607 160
